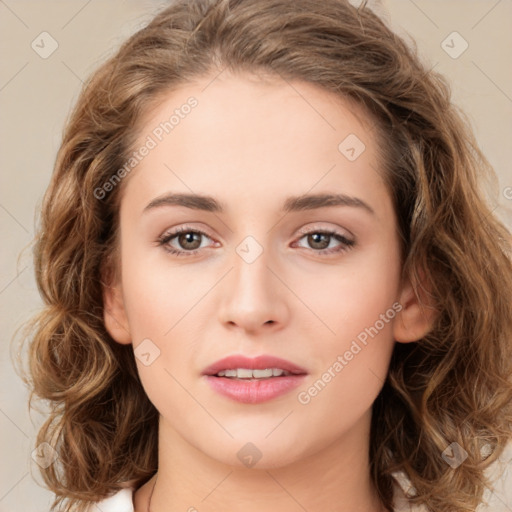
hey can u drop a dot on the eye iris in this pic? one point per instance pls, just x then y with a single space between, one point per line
313 239
188 237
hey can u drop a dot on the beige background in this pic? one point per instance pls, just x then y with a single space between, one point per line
36 95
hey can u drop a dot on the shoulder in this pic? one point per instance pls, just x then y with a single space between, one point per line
500 474
495 499
401 489
121 501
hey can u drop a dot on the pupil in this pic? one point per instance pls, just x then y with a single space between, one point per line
189 238
314 237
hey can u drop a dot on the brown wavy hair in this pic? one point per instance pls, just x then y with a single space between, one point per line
453 385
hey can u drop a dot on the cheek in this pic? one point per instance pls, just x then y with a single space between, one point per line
159 294
357 307
351 364
352 297
160 305
162 301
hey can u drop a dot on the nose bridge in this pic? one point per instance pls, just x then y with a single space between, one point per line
252 277
253 298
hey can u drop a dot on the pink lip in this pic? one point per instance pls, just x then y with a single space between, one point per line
254 391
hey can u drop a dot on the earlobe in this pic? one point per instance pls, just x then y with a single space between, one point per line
114 315
416 317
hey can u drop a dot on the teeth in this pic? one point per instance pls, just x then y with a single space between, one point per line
258 374
245 373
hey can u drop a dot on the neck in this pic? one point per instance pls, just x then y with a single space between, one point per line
190 480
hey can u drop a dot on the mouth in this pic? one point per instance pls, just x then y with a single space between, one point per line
253 380
247 373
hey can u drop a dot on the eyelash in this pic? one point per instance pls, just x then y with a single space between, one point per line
167 237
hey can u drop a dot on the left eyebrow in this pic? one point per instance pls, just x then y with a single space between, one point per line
314 201
291 204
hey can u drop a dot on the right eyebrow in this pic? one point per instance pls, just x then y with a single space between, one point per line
193 201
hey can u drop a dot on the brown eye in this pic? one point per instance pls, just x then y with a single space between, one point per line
182 241
319 242
189 240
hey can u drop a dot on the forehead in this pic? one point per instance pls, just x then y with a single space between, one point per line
250 102
240 134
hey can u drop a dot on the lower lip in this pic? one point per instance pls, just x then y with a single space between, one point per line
254 391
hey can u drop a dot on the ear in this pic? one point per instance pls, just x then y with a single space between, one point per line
417 315
114 314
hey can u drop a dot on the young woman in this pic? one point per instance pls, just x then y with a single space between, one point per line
271 279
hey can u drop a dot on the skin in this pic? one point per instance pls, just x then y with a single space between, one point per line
250 144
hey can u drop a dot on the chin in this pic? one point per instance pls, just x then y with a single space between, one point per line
256 452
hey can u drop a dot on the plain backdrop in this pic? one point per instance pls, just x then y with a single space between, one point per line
38 89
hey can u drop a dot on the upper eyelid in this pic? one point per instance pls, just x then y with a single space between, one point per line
338 231
184 229
302 231
333 232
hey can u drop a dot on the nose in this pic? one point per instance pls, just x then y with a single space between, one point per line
253 297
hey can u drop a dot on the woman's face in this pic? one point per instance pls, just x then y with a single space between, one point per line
255 272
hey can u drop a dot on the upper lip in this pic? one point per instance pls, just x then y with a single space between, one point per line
256 363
